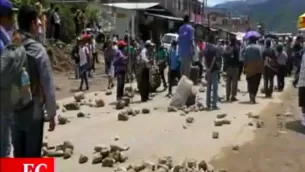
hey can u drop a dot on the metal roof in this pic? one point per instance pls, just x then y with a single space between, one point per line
165 17
132 6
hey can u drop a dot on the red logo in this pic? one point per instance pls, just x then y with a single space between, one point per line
27 165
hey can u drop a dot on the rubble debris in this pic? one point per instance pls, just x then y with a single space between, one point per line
253 116
145 111
171 109
72 106
215 135
120 105
126 101
220 116
62 120
99 103
122 116
78 96
108 162
235 148
67 153
259 124
108 92
189 120
82 159
80 115
220 122
97 158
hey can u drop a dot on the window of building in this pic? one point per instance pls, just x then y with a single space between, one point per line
225 21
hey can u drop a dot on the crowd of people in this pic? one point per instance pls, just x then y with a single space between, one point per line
127 59
257 56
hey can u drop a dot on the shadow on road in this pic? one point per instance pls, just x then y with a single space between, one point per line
295 126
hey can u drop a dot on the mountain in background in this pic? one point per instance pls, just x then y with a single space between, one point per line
276 15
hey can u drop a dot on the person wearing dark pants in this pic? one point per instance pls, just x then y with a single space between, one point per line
270 67
282 60
231 67
120 84
28 121
299 82
143 71
84 77
144 84
27 137
120 62
56 23
268 77
254 66
174 66
253 83
161 57
240 69
84 57
213 64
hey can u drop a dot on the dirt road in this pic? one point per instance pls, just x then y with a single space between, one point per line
278 146
155 135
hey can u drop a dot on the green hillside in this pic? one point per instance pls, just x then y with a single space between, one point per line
276 15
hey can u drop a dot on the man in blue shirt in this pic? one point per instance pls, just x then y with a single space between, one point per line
6 25
186 46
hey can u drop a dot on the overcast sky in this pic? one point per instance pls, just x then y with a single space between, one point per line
214 2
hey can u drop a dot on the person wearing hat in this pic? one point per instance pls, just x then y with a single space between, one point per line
84 61
143 71
6 22
6 25
120 63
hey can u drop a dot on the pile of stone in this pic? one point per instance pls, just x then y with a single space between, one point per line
64 150
256 120
165 164
79 100
108 156
186 109
124 115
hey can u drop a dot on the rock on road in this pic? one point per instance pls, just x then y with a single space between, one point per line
159 133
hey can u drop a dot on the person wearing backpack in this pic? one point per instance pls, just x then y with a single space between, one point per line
6 24
32 88
270 68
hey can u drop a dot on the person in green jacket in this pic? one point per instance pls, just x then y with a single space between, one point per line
161 58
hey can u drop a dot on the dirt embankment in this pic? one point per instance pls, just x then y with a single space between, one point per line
60 57
278 146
